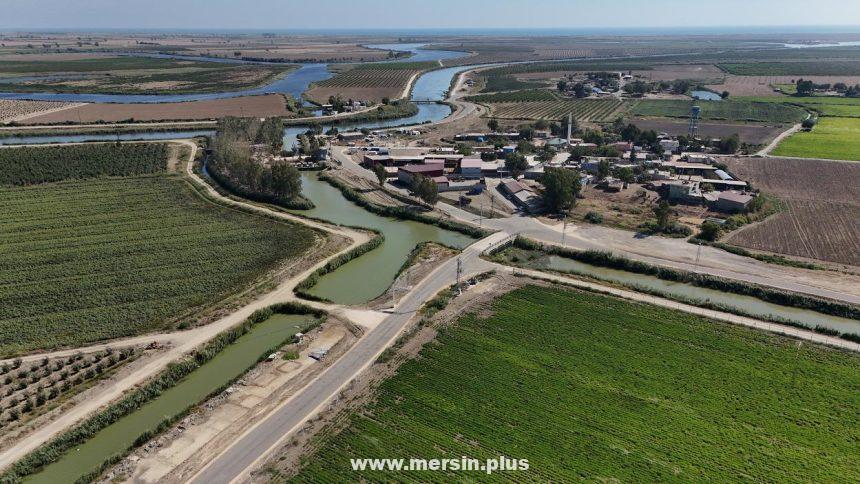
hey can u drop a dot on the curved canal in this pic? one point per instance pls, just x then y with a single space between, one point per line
227 365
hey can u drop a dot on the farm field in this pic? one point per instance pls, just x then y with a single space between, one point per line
88 260
740 86
135 75
369 82
731 110
266 105
845 107
822 201
602 389
542 104
14 110
754 134
794 68
832 138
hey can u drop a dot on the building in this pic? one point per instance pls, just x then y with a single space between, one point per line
521 196
732 201
670 144
471 167
684 191
351 136
432 170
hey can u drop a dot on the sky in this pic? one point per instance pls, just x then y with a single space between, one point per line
420 14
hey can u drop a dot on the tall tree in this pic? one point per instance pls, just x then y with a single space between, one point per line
516 164
425 189
561 187
380 173
662 211
286 180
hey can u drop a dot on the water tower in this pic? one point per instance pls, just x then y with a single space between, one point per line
694 120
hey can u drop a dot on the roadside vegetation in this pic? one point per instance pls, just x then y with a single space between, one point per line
569 392
84 261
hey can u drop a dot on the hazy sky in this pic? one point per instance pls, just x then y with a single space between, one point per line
392 14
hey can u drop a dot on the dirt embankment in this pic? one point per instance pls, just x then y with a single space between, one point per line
247 106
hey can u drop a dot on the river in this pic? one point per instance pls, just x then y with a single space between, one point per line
194 388
294 83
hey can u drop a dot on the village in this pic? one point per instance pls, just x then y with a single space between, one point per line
498 173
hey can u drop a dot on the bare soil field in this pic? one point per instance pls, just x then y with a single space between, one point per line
756 134
14 110
659 73
312 52
822 208
254 106
761 85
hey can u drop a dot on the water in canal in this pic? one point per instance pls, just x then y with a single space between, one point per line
227 365
368 276
81 138
750 305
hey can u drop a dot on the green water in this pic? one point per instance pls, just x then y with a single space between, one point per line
368 276
748 304
227 365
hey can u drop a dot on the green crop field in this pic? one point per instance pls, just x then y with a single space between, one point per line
846 107
87 260
130 75
832 138
731 110
593 388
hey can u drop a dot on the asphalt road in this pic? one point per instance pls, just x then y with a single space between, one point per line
248 451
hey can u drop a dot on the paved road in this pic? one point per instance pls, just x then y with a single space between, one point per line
247 452
675 253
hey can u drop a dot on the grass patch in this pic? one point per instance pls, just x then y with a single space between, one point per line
596 388
832 138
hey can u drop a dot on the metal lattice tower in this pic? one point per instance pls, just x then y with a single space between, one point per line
694 120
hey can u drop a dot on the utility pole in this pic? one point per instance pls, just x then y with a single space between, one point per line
698 253
481 217
564 231
459 272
